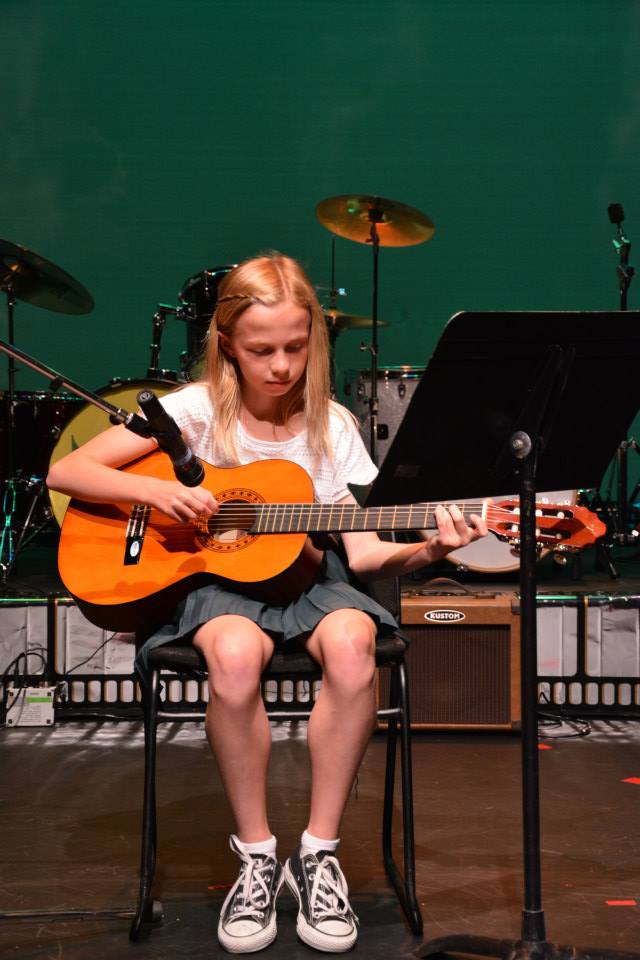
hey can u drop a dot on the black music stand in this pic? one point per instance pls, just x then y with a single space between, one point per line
541 398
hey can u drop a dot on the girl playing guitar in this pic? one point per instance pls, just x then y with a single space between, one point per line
265 395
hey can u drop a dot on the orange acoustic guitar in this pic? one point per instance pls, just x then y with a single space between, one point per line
128 565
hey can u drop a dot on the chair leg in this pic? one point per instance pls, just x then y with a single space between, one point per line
390 778
148 910
405 889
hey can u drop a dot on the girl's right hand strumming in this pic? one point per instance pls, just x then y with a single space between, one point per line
179 502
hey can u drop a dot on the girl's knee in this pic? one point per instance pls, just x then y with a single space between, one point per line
348 652
236 654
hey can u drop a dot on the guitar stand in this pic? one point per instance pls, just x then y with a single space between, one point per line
527 378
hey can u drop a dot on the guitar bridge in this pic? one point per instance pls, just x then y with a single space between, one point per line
136 529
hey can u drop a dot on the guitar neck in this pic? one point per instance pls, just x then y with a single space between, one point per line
333 517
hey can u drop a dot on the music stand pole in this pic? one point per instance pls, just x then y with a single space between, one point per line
533 925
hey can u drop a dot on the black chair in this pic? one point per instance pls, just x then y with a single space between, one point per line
182 661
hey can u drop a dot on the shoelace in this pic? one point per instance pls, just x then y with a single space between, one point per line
252 894
329 891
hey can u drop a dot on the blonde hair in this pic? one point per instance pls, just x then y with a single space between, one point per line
269 279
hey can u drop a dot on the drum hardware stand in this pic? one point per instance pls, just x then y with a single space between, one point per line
154 372
378 222
10 548
376 215
25 275
334 330
543 446
11 370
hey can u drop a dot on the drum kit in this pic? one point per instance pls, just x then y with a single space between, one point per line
38 428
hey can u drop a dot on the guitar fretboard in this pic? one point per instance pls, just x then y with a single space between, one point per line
332 517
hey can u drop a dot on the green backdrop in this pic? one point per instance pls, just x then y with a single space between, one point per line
144 141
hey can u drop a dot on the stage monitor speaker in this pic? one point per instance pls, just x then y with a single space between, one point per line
464 660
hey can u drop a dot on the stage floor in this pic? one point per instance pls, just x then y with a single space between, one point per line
71 814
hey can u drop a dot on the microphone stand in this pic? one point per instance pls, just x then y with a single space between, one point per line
157 423
624 271
625 274
132 421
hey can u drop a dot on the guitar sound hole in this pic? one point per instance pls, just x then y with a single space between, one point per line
229 529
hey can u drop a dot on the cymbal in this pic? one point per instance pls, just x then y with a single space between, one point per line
344 321
38 281
352 216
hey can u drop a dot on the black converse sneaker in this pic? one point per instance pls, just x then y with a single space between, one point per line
248 916
325 918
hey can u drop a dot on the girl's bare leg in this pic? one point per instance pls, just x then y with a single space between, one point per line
343 716
237 727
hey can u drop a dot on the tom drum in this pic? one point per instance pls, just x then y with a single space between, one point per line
198 298
395 389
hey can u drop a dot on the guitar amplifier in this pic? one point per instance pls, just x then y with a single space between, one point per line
464 660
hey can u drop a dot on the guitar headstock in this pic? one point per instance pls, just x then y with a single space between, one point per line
559 526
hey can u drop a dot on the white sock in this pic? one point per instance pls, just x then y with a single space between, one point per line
311 844
264 847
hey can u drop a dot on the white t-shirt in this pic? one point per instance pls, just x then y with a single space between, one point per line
191 409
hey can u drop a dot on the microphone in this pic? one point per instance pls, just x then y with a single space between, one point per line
616 213
186 466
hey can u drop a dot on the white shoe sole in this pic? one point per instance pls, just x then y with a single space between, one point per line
255 942
326 942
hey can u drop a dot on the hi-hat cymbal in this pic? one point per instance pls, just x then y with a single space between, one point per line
352 216
31 278
344 321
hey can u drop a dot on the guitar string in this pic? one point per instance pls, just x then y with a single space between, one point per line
236 509
185 531
325 513
271 511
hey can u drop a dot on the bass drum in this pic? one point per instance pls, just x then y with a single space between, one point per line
395 389
490 555
90 421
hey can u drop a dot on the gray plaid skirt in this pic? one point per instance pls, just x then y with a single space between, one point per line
330 591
